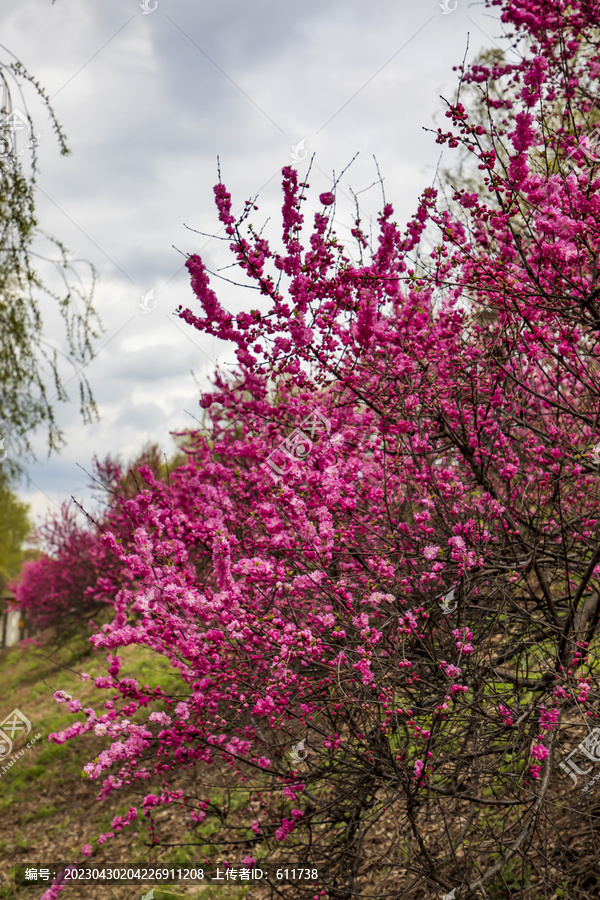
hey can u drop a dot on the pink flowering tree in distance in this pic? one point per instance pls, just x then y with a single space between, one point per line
77 575
59 586
377 573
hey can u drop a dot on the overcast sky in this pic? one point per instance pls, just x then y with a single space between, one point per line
148 100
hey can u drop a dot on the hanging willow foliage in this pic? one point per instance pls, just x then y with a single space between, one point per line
30 380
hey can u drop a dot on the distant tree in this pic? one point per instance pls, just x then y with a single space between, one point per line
71 575
14 529
53 587
113 480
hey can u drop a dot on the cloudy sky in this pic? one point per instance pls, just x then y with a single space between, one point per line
149 98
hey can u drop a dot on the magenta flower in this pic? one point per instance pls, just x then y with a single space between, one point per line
539 751
431 551
549 717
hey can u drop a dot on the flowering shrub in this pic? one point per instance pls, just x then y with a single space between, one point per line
78 575
441 412
50 589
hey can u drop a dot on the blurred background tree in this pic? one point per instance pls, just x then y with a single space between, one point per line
14 529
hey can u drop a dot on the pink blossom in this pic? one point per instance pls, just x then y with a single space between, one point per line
431 551
62 697
539 751
103 838
549 717
451 670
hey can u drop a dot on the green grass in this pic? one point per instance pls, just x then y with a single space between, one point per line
41 813
36 793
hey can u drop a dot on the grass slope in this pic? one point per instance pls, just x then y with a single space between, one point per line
48 809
